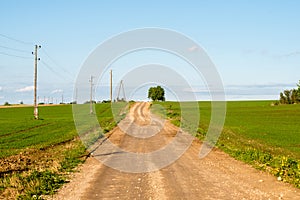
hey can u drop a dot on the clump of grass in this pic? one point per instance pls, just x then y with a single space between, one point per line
73 158
287 169
48 170
41 183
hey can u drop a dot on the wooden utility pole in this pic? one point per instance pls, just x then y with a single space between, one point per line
91 95
111 98
35 111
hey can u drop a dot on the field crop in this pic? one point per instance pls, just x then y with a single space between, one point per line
266 136
20 131
36 155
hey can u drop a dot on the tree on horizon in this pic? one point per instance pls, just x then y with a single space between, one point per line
156 93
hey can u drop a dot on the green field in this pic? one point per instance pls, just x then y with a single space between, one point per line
36 155
254 123
268 137
19 130
272 128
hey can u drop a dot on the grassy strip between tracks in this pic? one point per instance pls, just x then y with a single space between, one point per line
265 136
36 156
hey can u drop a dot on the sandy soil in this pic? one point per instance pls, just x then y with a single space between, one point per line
216 176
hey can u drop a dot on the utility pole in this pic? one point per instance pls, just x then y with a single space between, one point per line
124 97
111 98
35 111
76 95
91 95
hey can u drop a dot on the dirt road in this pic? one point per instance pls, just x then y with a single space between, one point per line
217 176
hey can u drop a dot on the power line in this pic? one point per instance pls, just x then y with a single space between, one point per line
7 54
54 61
48 67
44 51
16 40
52 70
19 50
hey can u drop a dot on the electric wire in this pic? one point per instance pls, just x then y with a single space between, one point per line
16 40
13 49
53 71
63 76
17 56
56 63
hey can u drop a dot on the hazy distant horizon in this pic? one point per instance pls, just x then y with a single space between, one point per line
232 92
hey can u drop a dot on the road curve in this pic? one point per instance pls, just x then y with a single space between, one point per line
217 176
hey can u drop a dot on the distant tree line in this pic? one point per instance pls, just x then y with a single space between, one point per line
290 96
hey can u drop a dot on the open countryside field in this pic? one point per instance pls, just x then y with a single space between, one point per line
36 154
19 130
268 137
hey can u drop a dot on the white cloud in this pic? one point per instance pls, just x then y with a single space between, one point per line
57 91
25 89
1 88
1 97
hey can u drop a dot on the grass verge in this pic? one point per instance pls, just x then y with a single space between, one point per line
267 137
34 173
37 156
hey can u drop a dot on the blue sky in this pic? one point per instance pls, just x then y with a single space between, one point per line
255 45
